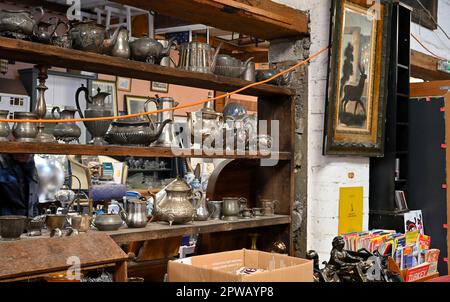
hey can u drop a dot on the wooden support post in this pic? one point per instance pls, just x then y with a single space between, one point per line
121 274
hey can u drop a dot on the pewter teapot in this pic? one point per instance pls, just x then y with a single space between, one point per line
90 36
43 32
149 50
18 23
136 217
204 123
96 109
176 206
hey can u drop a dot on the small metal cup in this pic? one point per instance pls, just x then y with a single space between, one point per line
215 209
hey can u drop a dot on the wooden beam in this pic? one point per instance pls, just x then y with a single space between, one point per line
263 19
424 66
432 88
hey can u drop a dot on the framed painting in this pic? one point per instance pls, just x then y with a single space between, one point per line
135 104
124 84
159 87
357 79
109 87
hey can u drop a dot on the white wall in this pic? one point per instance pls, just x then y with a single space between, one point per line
326 174
434 40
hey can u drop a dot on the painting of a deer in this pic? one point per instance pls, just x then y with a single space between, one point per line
353 93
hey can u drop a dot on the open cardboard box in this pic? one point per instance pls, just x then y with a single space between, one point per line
220 267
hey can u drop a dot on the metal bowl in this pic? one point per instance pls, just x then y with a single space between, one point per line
12 226
108 222
55 221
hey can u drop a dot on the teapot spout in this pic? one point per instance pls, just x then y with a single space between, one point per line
108 44
161 127
171 42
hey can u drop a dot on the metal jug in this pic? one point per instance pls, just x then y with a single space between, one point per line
25 132
4 127
215 207
198 57
121 46
167 138
201 210
136 217
66 131
96 108
232 207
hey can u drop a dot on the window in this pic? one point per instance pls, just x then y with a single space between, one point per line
421 16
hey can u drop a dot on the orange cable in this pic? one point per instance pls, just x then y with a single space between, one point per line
92 119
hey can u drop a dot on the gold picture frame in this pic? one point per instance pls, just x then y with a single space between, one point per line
357 79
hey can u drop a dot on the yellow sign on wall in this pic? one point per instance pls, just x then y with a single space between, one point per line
350 209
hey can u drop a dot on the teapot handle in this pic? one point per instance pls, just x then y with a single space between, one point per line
150 100
56 108
41 11
77 95
58 24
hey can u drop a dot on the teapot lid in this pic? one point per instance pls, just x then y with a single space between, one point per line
178 185
130 122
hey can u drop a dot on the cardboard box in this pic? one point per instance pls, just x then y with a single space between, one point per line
220 267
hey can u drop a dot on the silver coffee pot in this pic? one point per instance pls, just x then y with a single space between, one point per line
66 131
96 108
167 138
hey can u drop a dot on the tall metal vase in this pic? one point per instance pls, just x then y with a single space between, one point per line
167 138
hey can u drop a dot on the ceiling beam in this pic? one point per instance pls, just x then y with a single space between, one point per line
424 66
263 19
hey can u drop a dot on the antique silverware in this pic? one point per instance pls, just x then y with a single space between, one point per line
230 67
176 206
25 132
167 138
198 57
108 222
231 208
149 50
12 226
215 207
268 206
136 217
18 23
121 46
42 31
5 131
96 108
66 131
258 211
90 36
55 221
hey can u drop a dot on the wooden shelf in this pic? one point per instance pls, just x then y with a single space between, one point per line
158 230
112 150
50 55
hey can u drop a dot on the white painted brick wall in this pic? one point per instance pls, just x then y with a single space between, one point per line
325 174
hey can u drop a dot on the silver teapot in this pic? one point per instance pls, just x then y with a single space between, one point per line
90 36
43 31
149 50
96 108
18 23
136 217
176 206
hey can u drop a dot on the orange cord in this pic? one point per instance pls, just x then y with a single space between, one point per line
92 119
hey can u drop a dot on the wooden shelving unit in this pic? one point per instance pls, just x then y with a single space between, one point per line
274 103
111 150
50 55
159 230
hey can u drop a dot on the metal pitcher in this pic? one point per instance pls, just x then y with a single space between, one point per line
201 209
66 131
167 138
204 123
232 207
25 132
43 32
136 217
198 57
268 206
4 127
215 208
96 108
121 46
